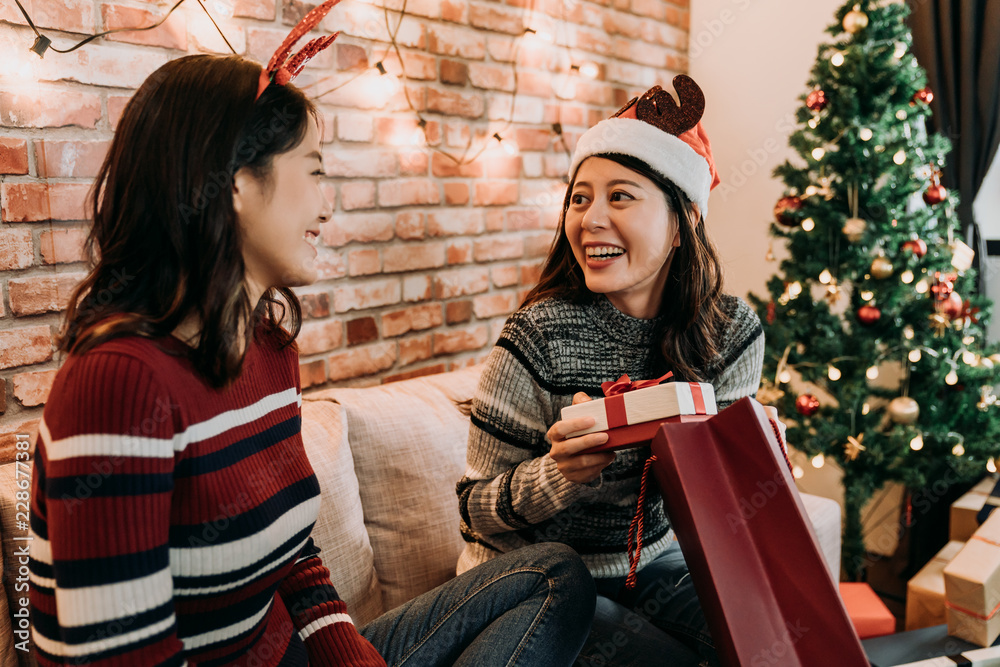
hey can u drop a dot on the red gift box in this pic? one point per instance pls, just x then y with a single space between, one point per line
870 616
631 413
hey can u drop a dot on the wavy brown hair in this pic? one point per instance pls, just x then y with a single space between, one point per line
165 240
693 317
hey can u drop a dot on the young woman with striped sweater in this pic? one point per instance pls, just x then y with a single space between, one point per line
172 501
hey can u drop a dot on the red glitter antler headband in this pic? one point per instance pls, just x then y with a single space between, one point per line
281 69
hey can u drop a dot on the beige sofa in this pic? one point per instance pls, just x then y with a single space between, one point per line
387 459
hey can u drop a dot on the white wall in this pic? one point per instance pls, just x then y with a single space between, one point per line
986 208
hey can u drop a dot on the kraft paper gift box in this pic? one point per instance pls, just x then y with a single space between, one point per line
963 521
972 586
632 412
925 591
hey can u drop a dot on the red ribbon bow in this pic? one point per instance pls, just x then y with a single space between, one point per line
623 384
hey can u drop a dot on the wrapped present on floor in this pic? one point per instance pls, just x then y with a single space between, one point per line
964 518
972 586
991 503
925 591
869 615
632 411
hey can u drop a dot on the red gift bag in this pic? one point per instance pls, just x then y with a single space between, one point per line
758 570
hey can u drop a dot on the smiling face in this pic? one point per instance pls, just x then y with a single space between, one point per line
279 217
622 233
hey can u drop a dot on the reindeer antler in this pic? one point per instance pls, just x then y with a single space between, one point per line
658 108
280 69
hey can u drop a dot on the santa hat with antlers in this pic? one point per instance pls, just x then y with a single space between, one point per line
281 69
667 137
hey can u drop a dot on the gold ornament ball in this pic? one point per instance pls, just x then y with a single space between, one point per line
855 21
881 268
904 410
854 229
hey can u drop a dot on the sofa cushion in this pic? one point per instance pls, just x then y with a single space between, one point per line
408 440
8 531
340 529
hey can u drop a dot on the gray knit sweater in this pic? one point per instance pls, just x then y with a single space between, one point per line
512 494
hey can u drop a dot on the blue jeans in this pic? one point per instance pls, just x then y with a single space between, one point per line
532 606
659 622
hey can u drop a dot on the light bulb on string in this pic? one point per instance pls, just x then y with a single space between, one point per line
900 50
958 450
509 146
540 34
818 153
833 373
866 408
906 276
818 461
969 340
867 296
837 60
969 357
785 377
794 289
808 224
380 85
872 372
866 134
917 443
825 277
951 378
991 465
908 332
798 472
587 69
813 122
899 157
921 286
914 356
901 114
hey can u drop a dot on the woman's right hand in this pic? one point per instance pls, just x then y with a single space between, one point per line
566 452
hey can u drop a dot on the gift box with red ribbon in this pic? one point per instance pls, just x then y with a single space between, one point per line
972 586
632 411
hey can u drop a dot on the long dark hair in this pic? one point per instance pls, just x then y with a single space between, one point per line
691 306
165 240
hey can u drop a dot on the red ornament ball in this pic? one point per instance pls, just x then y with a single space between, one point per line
917 246
817 100
869 314
950 307
923 95
935 194
785 209
806 405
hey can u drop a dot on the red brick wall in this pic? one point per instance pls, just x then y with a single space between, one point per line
424 258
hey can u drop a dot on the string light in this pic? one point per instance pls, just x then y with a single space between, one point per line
991 465
818 461
899 157
837 60
799 473
871 373
969 357
921 286
958 450
813 123
901 115
906 276
867 296
833 373
900 50
588 69
794 289
508 145
917 443
865 134
914 355
866 408
969 340
818 153
808 224
951 378
785 377
908 332
825 277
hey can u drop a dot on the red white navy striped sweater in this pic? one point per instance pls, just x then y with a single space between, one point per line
171 520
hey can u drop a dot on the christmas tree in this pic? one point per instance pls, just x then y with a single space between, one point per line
872 319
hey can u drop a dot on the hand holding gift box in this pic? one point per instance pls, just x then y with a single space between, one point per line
972 586
632 411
